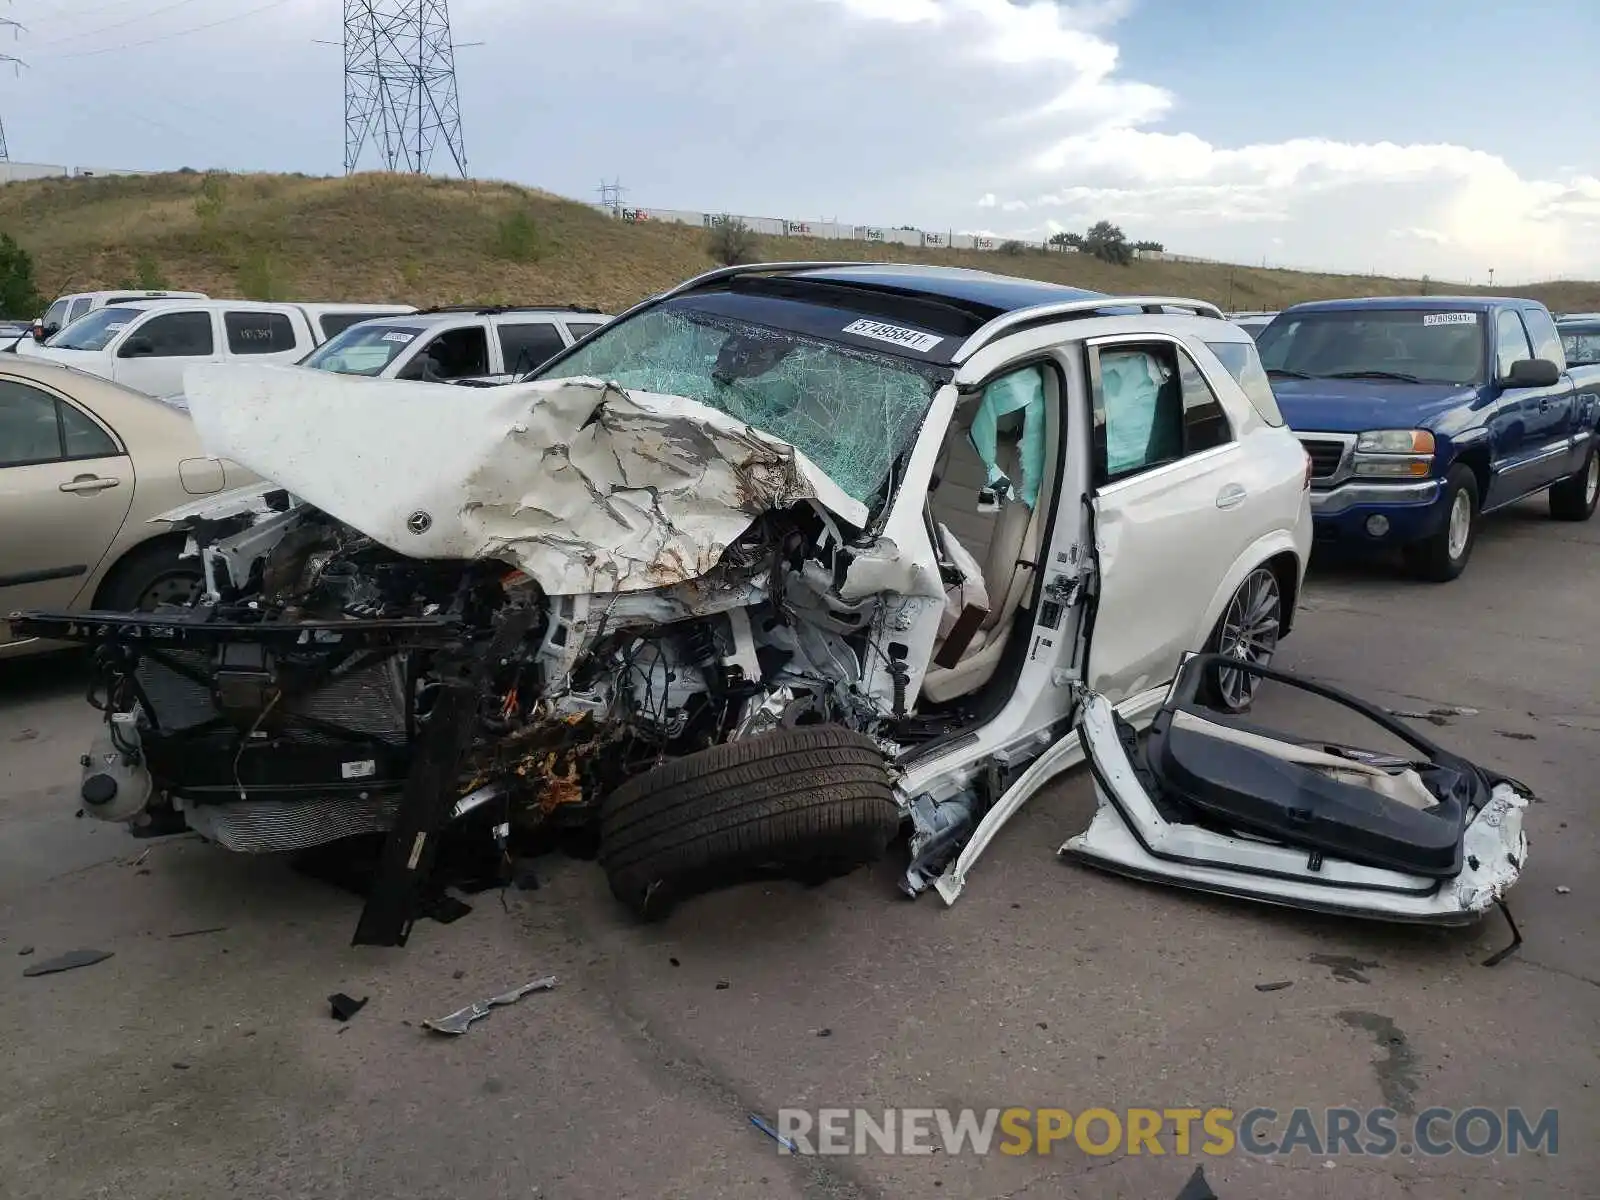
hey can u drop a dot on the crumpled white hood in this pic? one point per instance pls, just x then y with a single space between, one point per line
584 486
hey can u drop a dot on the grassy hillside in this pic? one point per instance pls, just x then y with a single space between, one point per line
432 241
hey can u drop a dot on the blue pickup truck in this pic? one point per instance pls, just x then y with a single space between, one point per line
1421 414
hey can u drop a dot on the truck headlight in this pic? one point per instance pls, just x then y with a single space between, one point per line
1395 441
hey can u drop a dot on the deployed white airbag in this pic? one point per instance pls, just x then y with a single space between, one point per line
584 486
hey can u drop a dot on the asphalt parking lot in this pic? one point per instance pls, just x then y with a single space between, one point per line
208 1065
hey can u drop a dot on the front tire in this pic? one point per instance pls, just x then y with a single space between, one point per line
1442 557
813 801
1249 629
1573 498
148 576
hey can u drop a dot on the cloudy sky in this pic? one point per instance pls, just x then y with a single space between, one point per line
1406 136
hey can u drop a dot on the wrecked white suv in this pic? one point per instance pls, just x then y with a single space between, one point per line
779 563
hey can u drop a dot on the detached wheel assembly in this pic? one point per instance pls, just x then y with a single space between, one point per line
812 802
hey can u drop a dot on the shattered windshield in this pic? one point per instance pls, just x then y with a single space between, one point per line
851 412
362 349
1406 345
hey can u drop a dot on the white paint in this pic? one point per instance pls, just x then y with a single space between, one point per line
587 488
897 335
1453 318
1130 835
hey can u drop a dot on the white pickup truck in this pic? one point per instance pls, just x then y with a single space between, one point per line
147 344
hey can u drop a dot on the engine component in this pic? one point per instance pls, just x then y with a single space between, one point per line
116 781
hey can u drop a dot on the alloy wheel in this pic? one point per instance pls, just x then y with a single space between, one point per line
1250 628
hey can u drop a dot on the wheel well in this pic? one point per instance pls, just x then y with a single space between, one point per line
163 540
1286 568
1476 460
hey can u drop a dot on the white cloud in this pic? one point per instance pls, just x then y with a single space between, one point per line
880 111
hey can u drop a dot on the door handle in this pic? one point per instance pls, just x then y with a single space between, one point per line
89 483
1231 496
1545 403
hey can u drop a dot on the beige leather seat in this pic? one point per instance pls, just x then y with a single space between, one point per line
999 541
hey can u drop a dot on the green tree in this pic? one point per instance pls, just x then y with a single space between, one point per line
1067 241
19 295
731 242
1013 248
1108 243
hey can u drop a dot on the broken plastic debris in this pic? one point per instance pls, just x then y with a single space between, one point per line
69 961
1275 987
1563 890
344 1007
457 1022
773 1134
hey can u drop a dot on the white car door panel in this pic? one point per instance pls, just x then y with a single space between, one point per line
151 356
1151 530
1174 505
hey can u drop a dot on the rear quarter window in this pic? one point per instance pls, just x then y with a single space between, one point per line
1241 360
258 332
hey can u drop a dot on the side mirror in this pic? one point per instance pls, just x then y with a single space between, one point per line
137 347
42 333
1533 372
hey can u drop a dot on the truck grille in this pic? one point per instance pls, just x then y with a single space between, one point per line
1326 456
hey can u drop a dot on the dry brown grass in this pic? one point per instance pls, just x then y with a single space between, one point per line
434 241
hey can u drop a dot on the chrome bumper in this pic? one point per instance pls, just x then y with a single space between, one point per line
1336 500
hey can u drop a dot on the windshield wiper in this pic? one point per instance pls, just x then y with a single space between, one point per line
1400 375
1285 371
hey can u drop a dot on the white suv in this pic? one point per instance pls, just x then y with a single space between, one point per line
456 345
770 567
64 310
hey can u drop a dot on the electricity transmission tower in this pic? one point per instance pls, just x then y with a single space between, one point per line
17 64
400 84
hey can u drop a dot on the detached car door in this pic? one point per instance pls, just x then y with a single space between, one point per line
151 356
66 484
1172 495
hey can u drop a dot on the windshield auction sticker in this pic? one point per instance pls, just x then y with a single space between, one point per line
1450 319
911 339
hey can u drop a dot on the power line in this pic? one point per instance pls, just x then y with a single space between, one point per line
144 16
167 37
400 84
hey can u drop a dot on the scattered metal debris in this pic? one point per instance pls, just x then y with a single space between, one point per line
197 932
1275 987
344 1007
457 1022
70 961
773 1134
1563 890
1499 956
